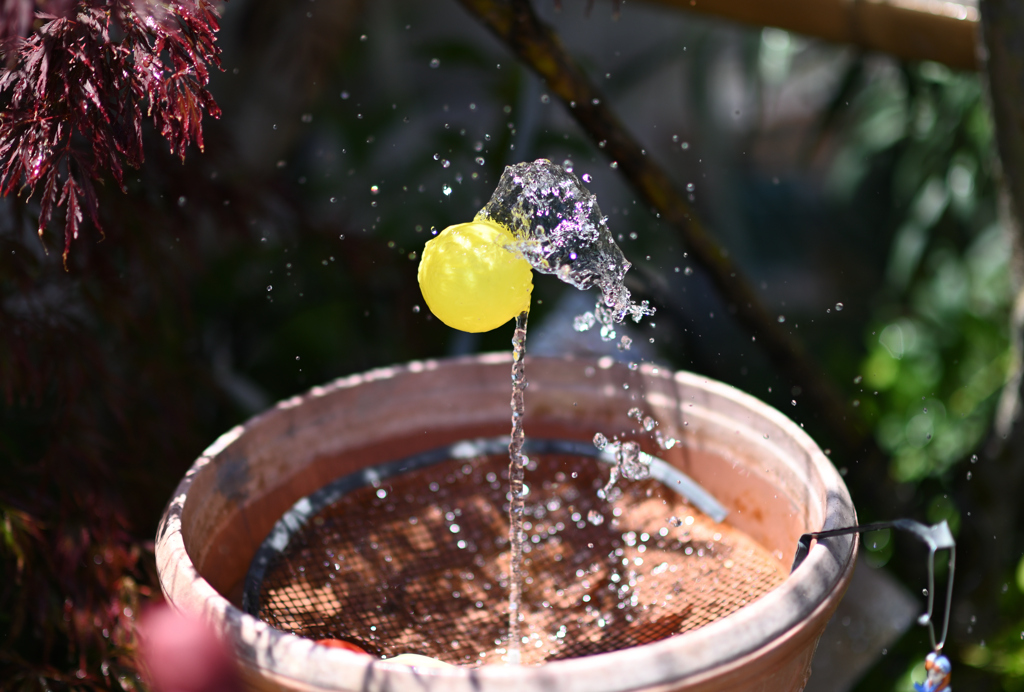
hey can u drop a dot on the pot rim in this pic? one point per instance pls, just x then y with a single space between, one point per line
794 605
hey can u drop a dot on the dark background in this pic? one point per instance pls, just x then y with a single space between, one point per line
285 255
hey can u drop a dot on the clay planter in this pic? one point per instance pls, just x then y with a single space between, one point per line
773 478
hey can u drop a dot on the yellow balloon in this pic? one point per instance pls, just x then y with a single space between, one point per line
471 280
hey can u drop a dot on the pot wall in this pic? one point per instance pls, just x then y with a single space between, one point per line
775 481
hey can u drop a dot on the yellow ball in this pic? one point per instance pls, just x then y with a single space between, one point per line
471 281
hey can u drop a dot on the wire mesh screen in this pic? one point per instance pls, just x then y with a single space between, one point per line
417 562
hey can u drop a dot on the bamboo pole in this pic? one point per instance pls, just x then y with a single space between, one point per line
946 32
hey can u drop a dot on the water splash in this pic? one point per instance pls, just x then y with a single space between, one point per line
630 462
561 231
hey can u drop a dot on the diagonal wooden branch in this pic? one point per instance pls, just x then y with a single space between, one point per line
515 23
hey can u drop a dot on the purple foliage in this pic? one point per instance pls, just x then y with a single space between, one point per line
81 77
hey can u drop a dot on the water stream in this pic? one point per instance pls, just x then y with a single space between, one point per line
517 489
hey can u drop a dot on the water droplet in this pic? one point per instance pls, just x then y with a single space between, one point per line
374 189
447 190
435 63
782 318
839 307
307 117
924 592
649 423
270 288
586 178
634 413
600 441
924 619
688 271
584 322
181 201
416 308
857 379
632 464
974 458
595 517
665 442
690 187
344 95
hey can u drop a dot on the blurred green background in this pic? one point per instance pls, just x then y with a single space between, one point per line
856 192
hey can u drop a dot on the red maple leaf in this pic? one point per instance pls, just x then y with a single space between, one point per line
78 82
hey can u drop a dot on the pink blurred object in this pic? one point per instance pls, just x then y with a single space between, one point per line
183 654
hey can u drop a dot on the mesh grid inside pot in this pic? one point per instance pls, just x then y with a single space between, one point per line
414 559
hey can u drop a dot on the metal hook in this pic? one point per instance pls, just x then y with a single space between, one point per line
937 537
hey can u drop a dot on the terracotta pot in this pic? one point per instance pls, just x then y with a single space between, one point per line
774 479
